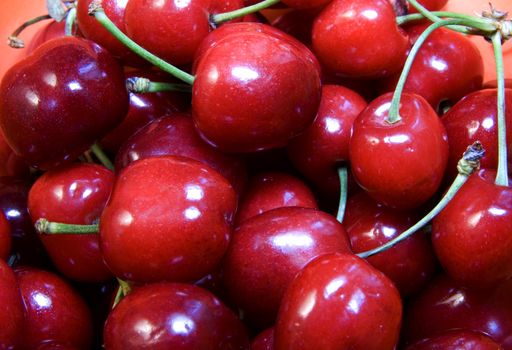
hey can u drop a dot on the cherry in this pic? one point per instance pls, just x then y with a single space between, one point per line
339 301
455 340
264 340
399 164
10 163
58 101
169 218
369 42
173 316
11 309
432 5
5 237
50 31
73 194
297 23
53 310
267 251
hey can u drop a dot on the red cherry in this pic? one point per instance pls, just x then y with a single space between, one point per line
402 164
75 194
456 340
432 5
339 301
5 237
50 31
173 316
369 43
10 163
264 340
169 218
11 309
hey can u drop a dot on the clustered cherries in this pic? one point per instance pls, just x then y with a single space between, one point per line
219 216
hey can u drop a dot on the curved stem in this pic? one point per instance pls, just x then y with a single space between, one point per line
141 85
17 43
401 20
97 11
228 16
124 289
48 227
70 22
502 173
343 176
102 157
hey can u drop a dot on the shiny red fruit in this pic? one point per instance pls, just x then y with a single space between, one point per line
457 340
11 309
5 237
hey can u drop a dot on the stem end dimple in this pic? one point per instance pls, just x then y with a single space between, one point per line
138 85
41 225
470 160
95 6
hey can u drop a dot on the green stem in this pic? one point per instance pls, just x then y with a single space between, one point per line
48 227
70 22
143 85
102 157
401 20
228 16
393 116
97 11
502 173
17 43
123 290
343 176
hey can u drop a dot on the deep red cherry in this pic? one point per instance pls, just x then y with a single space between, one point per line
369 43
173 316
53 310
446 305
297 23
267 251
305 4
320 150
269 190
176 135
49 31
5 237
400 165
10 163
169 218
11 309
339 301
245 102
471 235
55 346
74 194
264 340
432 5
411 263
447 67
474 119
457 340
58 101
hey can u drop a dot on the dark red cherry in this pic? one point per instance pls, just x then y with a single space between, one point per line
471 235
58 101
369 43
264 340
10 163
11 310
173 316
402 164
53 310
432 5
49 31
55 346
457 340
245 102
5 237
267 251
74 194
297 23
339 301
176 135
169 218
305 4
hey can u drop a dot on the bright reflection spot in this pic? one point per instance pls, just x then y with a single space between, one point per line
134 99
73 186
493 327
307 305
439 64
43 302
388 231
396 139
454 300
497 211
50 79
144 328
382 110
125 218
356 301
181 324
86 193
292 240
287 197
349 14
32 98
58 192
133 156
332 124
488 123
370 14
373 140
181 3
74 86
475 218
213 75
192 213
244 74
194 192
473 128
12 213
333 286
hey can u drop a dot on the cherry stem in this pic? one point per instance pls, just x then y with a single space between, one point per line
220 18
124 289
69 29
401 20
142 85
467 165
102 157
97 11
17 43
502 173
48 227
343 176
394 116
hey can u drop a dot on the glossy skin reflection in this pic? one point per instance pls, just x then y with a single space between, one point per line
339 301
173 316
11 309
169 218
456 340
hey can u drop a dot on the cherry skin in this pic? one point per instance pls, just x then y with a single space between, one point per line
297 23
11 309
339 301
5 237
400 165
264 340
50 31
169 218
74 194
10 163
471 235
234 104
176 135
267 251
431 5
369 42
53 310
174 316
59 100
455 340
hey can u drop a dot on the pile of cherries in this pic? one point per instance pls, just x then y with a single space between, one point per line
288 184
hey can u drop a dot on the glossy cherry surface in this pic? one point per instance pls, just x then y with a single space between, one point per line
264 340
74 194
58 101
5 237
456 340
11 309
269 249
173 316
242 102
471 235
50 31
169 218
369 42
339 301
400 165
